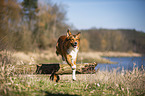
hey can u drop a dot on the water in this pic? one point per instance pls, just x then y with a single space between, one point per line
127 63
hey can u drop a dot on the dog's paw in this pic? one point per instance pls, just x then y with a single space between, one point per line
74 79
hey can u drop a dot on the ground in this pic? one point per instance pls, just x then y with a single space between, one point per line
26 82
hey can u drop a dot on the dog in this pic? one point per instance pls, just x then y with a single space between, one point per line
68 47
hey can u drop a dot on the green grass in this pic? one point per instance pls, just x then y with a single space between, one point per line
101 83
20 80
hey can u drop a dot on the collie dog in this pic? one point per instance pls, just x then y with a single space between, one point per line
68 47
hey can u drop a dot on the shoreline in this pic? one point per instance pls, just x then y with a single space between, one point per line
113 54
22 58
121 54
98 56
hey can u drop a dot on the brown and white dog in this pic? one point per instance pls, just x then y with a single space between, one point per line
68 47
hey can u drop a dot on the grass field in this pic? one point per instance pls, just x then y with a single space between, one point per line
100 83
20 58
13 82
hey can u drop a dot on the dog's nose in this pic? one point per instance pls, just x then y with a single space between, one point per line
75 43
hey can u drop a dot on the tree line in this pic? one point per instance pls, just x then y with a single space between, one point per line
27 25
123 40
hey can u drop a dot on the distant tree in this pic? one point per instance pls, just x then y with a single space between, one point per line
94 39
84 45
50 24
103 44
10 13
30 9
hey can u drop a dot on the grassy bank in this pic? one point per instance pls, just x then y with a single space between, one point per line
26 83
49 56
109 54
22 58
100 83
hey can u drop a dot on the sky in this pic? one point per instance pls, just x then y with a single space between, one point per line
107 14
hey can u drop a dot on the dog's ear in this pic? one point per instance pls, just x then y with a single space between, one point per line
79 34
68 33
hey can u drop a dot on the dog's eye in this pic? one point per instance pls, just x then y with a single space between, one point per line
72 39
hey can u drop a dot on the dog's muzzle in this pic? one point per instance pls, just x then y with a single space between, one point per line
74 45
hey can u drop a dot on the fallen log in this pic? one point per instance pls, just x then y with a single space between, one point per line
65 68
47 68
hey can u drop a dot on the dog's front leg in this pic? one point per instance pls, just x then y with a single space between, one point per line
73 66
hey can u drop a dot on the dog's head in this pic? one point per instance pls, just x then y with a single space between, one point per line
74 40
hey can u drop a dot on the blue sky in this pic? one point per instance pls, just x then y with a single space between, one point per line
110 14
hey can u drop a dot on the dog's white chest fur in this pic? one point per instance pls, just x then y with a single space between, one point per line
73 52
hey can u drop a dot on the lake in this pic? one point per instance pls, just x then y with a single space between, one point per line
127 63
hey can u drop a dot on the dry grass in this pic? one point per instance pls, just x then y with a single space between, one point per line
51 57
21 58
101 83
109 54
128 83
119 54
112 83
34 58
